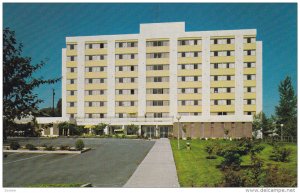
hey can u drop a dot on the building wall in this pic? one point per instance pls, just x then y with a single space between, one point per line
221 58
214 130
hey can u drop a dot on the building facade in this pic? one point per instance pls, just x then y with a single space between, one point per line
209 81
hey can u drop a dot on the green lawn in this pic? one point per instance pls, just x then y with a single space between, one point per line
194 170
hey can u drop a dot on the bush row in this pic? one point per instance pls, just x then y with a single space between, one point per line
79 145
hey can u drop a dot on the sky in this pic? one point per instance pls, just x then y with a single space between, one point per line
42 28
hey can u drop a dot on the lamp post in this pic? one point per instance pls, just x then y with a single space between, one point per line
178 118
281 125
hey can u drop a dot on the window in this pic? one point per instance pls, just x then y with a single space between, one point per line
157 79
215 53
228 102
248 101
215 102
248 40
71 46
228 90
131 68
195 90
72 81
157 43
215 78
228 41
215 41
215 90
228 77
215 66
195 78
228 53
158 115
132 92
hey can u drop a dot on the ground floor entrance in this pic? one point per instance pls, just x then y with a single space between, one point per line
158 131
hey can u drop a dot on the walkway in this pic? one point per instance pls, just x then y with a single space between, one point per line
157 170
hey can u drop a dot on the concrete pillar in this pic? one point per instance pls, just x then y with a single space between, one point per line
106 130
51 131
140 130
156 131
90 130
124 129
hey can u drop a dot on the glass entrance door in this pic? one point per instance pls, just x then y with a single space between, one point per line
150 131
163 131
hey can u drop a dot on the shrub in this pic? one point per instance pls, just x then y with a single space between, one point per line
132 136
281 154
210 150
123 135
231 158
50 148
99 129
64 147
14 145
44 145
132 129
233 178
30 147
188 138
79 145
278 177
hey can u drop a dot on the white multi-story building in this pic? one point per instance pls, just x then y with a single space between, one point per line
210 80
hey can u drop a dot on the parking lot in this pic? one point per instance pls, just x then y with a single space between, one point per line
110 163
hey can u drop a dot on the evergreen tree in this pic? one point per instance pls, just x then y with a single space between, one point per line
263 123
286 111
19 101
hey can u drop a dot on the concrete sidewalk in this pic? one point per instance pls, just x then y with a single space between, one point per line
157 170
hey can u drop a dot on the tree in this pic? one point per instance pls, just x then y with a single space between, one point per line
286 111
132 129
98 129
58 108
263 123
19 101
